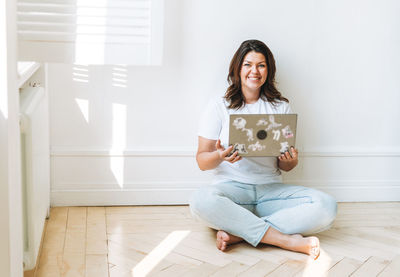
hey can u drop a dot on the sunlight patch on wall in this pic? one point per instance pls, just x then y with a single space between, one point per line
83 105
119 76
4 105
80 73
118 142
159 253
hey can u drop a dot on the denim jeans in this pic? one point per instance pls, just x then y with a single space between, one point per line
247 211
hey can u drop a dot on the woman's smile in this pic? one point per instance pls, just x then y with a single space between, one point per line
254 72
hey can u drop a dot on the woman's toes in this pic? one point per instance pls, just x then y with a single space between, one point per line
221 245
222 240
315 249
223 236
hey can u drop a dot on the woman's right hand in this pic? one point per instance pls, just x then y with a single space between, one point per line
210 154
224 153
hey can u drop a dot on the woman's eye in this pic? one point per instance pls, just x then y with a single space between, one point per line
246 64
262 65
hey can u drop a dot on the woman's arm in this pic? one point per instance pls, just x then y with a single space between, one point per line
211 153
287 162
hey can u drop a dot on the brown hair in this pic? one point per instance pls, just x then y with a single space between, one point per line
268 91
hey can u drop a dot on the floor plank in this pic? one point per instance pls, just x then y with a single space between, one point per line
344 268
392 270
371 268
261 268
203 270
96 266
289 268
232 269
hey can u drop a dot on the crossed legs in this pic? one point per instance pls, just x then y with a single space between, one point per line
276 214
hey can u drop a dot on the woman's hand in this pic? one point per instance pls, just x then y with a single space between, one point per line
224 153
287 161
211 154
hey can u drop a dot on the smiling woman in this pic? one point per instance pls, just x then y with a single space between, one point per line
248 200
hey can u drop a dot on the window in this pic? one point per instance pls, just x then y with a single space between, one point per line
91 31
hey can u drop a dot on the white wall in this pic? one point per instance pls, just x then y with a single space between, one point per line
337 61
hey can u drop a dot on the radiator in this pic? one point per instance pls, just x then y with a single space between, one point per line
35 169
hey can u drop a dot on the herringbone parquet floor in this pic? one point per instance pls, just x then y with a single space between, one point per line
166 241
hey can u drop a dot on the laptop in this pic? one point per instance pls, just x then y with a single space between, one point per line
261 135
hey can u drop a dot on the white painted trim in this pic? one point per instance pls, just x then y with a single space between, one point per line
195 184
350 154
25 71
120 197
180 196
170 192
363 194
191 152
344 183
11 249
136 185
143 152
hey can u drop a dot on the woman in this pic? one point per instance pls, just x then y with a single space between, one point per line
248 200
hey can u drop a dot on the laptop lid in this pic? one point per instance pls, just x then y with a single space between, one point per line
255 135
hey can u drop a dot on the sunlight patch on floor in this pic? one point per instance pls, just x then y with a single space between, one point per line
318 267
159 253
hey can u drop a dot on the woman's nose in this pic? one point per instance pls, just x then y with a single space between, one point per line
254 68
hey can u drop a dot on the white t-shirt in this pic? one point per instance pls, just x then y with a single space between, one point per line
214 124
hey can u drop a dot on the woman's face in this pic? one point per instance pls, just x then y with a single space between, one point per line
253 73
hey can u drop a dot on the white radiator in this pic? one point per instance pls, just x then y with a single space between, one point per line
35 168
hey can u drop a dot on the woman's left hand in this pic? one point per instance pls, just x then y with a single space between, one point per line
287 161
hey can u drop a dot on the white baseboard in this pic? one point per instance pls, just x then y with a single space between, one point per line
120 197
352 192
167 176
364 194
355 190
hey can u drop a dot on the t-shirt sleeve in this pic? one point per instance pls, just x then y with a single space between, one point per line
210 122
286 108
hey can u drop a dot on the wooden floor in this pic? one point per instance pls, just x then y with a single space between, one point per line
166 241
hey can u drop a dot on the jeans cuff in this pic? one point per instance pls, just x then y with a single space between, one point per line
256 242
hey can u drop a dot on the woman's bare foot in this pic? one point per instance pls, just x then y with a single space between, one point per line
224 239
306 245
297 243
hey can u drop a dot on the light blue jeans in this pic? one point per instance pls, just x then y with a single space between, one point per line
247 211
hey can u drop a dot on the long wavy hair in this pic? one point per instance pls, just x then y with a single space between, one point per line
268 91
